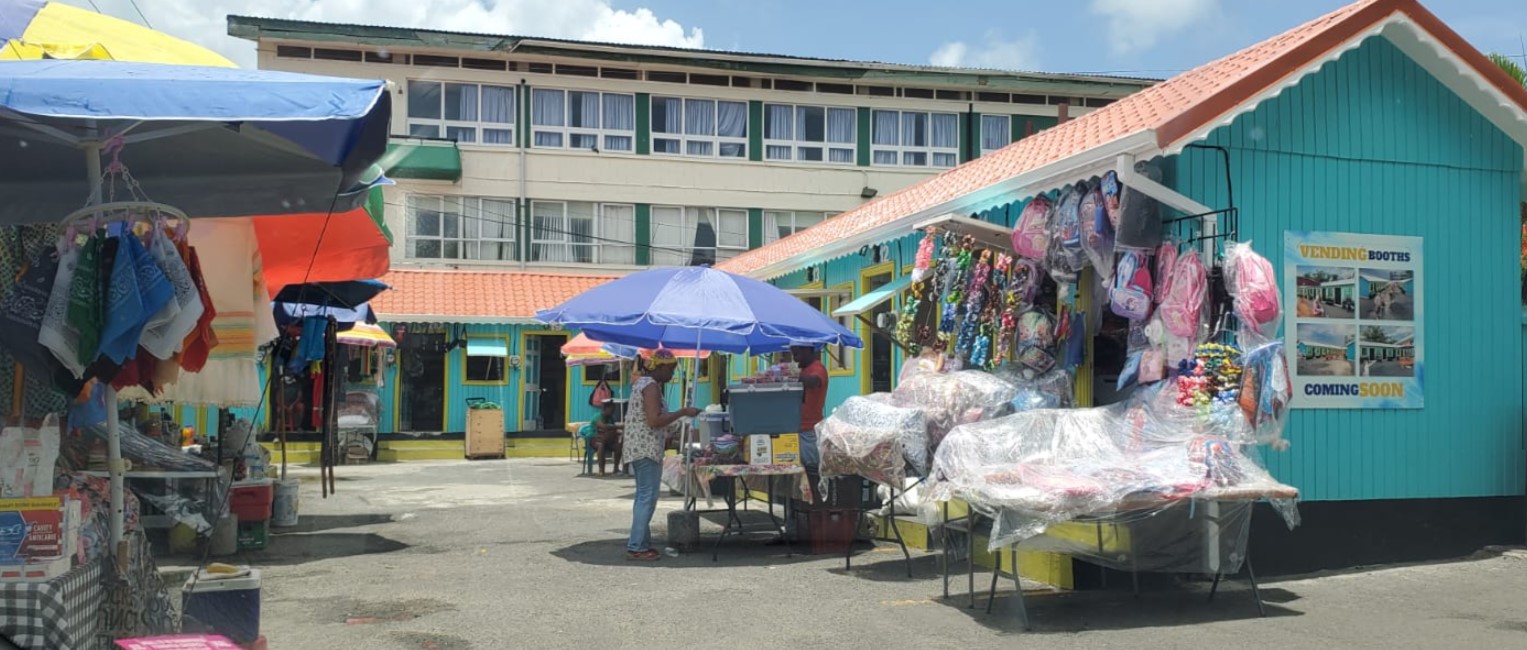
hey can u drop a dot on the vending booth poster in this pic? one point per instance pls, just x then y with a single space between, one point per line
1352 326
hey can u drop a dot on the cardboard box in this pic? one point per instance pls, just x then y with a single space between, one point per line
32 528
36 570
760 450
787 449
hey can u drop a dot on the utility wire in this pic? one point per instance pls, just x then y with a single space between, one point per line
140 13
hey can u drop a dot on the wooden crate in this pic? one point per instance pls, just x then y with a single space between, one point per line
485 433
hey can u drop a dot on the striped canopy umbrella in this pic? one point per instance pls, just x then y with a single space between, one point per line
295 248
366 335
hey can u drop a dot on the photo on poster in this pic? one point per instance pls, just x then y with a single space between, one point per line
1327 350
1388 351
1327 292
1387 294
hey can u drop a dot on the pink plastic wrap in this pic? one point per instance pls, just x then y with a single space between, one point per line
1031 236
1250 280
951 399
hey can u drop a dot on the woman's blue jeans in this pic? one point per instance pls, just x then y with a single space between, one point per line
649 476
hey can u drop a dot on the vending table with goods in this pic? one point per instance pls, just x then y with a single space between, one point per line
700 478
60 612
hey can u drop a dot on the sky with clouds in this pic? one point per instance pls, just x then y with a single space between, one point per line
1154 38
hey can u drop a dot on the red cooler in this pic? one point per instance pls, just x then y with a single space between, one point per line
251 500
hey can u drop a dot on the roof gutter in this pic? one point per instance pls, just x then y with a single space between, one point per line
1086 164
447 318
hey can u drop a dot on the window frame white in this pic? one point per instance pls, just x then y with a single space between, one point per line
684 138
901 149
565 131
796 144
1007 122
690 217
602 241
772 235
443 126
471 218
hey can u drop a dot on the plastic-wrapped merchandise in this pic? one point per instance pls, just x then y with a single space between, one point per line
872 439
1036 341
1097 232
1038 468
1249 278
1031 235
1266 392
951 399
1066 257
1052 390
1139 215
149 454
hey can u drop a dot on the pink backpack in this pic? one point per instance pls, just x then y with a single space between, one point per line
1249 278
1182 308
1031 237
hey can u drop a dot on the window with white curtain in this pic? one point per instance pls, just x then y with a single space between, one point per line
704 128
778 225
810 133
914 139
474 113
582 232
996 132
461 228
580 119
685 236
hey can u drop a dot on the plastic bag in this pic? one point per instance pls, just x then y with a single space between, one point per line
1130 296
1066 259
950 399
1097 232
1250 281
27 457
868 438
1139 215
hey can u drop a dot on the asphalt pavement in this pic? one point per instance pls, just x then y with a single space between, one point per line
523 554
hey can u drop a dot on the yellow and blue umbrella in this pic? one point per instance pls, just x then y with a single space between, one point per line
38 29
366 335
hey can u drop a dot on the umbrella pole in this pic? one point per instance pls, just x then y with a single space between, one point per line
117 470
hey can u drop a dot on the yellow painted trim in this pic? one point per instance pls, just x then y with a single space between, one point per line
849 354
472 382
866 384
567 378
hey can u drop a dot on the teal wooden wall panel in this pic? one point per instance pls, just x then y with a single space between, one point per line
1373 144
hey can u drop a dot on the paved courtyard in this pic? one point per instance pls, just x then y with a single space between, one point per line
522 554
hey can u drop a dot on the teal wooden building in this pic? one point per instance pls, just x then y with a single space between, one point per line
1375 119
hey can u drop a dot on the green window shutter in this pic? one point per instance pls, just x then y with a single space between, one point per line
643 233
755 131
864 137
970 123
643 126
755 227
525 116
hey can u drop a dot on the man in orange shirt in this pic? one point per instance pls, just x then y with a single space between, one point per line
814 381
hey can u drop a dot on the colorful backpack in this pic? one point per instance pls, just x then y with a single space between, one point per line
1036 341
1130 296
1112 191
1097 232
1166 262
1031 237
1250 281
1182 308
1066 258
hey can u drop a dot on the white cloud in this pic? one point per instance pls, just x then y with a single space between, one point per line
1135 26
1021 53
204 21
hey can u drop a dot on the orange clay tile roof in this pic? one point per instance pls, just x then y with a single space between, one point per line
1174 109
476 295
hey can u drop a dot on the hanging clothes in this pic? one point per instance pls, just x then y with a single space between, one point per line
242 317
163 337
85 302
199 342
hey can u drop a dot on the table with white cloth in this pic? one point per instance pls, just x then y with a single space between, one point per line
706 479
64 612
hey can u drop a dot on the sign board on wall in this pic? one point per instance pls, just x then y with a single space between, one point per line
1352 320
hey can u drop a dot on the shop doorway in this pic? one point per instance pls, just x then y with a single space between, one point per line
880 352
421 382
543 383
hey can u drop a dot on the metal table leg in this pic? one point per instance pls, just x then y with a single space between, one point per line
970 555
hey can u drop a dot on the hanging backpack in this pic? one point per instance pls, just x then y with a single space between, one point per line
1166 262
1182 308
1031 237
1097 232
1130 296
1112 192
601 394
1139 215
1066 256
1255 291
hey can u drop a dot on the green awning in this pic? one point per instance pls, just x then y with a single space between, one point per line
494 347
419 159
874 298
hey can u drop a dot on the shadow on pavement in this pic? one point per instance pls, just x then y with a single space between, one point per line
885 563
1077 611
316 523
303 548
